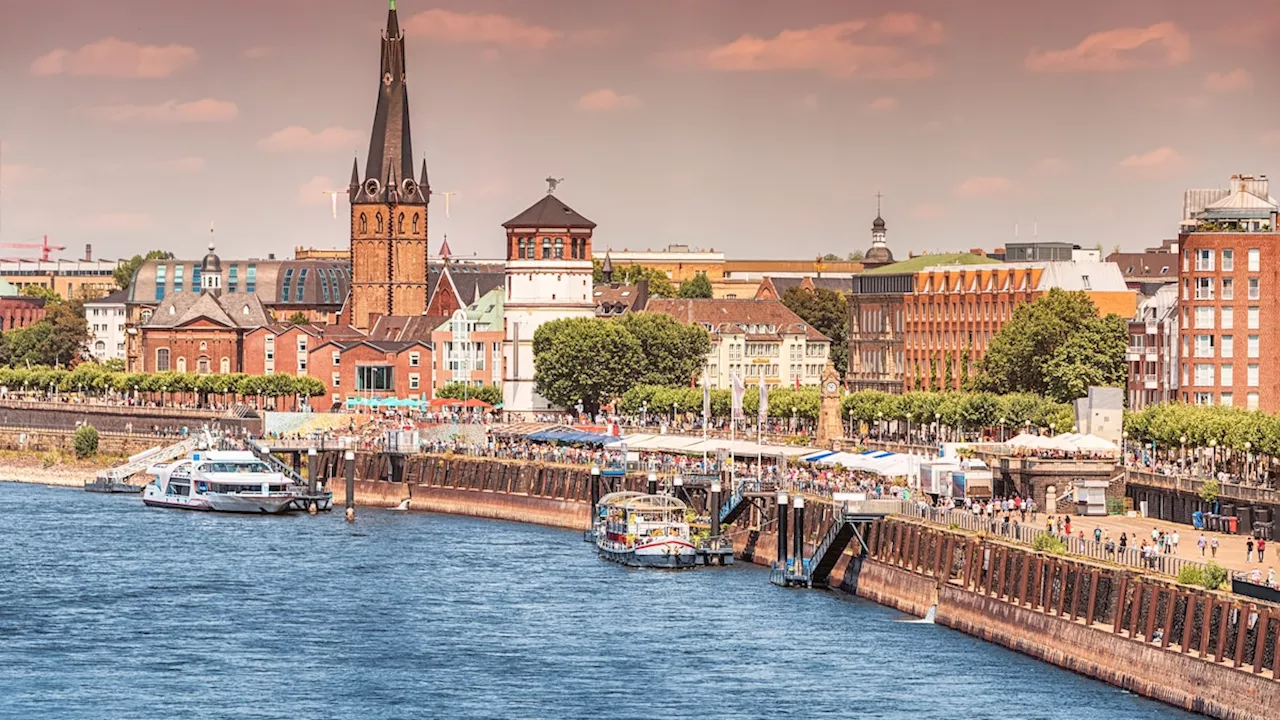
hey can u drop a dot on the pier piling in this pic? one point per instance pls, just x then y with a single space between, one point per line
797 511
653 483
715 509
313 469
782 529
349 458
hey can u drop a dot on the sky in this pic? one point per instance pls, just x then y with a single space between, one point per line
757 128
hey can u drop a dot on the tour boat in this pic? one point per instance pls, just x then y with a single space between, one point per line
219 480
639 530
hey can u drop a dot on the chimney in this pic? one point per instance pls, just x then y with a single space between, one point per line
88 252
977 251
271 256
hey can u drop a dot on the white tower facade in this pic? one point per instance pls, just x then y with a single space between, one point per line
549 277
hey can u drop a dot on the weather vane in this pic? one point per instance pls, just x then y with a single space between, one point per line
552 184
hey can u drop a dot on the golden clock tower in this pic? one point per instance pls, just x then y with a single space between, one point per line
829 428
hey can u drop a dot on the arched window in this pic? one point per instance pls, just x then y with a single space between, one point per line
415 223
522 247
559 248
379 218
364 223
204 345
99 347
546 248
162 359
182 364
202 365
224 366
400 224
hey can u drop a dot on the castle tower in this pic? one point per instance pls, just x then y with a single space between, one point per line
548 278
388 206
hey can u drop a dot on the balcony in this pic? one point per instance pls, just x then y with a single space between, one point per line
1151 382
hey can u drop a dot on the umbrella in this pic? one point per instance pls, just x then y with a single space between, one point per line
476 403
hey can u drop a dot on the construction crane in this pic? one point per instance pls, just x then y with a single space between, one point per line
45 248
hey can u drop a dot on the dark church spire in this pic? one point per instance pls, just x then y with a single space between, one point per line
390 147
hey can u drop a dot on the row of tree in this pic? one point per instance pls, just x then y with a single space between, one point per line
94 380
659 284
960 411
1173 426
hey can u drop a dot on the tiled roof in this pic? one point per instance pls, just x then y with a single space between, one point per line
119 297
1146 264
405 328
613 300
239 310
754 318
549 212
921 262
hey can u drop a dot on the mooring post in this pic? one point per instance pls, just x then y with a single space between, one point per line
715 509
653 483
595 492
782 529
798 510
313 469
350 458
677 488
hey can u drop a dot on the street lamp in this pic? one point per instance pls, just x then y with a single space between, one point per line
644 412
1213 457
879 429
1002 421
1183 453
673 413
1248 460
1053 427
937 422
851 428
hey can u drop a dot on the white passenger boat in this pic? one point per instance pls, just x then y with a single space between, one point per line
641 530
219 480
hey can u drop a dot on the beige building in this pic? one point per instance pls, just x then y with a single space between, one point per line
69 278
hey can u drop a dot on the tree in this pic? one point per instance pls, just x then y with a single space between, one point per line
697 287
491 394
584 360
125 271
1055 346
49 295
854 256
828 312
659 284
299 318
672 351
85 441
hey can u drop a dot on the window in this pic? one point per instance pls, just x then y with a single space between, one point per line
415 223
337 358
374 377
1252 347
1228 347
288 284
1226 399
224 365
559 248
1228 289
233 278
413 381
1204 318
177 277
1204 346
182 364
195 278
546 248
251 278
378 220
162 360
400 224
1204 398
1228 260
336 380
1254 316
1186 289
414 359
1186 261
364 224
160 279
1255 260
202 366
302 286
1251 401
1255 290
522 246
1204 374
1251 378
1204 288
1204 259
1228 317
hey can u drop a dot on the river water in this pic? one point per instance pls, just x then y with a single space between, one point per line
112 610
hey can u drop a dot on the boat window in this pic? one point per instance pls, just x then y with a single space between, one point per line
235 466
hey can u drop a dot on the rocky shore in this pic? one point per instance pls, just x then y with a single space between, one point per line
32 468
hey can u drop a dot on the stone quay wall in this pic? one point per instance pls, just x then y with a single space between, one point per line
111 418
43 440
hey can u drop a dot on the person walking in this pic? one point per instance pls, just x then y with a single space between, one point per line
1202 543
1213 547
1174 542
1262 549
1097 534
1248 551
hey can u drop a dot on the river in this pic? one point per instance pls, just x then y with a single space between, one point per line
112 610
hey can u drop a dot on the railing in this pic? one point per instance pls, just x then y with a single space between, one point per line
1227 490
276 463
734 499
147 458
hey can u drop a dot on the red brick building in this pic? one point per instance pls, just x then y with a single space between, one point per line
18 311
370 369
200 333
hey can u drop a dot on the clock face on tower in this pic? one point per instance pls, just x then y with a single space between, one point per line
831 386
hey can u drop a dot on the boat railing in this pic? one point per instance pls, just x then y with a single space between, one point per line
143 460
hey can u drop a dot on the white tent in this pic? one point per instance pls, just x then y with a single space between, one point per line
1095 444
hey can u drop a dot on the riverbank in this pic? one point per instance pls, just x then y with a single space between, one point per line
35 469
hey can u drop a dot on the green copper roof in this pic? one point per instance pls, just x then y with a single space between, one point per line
393 4
921 262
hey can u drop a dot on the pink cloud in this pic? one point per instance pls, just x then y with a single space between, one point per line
180 166
480 29
888 46
296 138
985 186
119 221
316 191
1164 158
1237 80
112 57
169 112
1160 45
606 99
884 104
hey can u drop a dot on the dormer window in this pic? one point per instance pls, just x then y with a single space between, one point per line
245 311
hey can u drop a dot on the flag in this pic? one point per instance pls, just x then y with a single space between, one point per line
739 390
706 399
764 402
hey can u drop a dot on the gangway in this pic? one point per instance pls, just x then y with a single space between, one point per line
852 519
113 479
310 494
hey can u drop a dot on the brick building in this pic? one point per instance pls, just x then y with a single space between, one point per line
200 333
953 312
369 369
1153 350
1229 282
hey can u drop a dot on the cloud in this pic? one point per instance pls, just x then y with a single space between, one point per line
296 138
1160 45
180 166
928 211
887 46
1158 161
605 99
1237 80
315 191
884 104
119 221
169 112
985 186
112 57
1050 167
259 52
480 29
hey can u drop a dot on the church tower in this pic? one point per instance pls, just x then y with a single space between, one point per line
549 274
388 206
